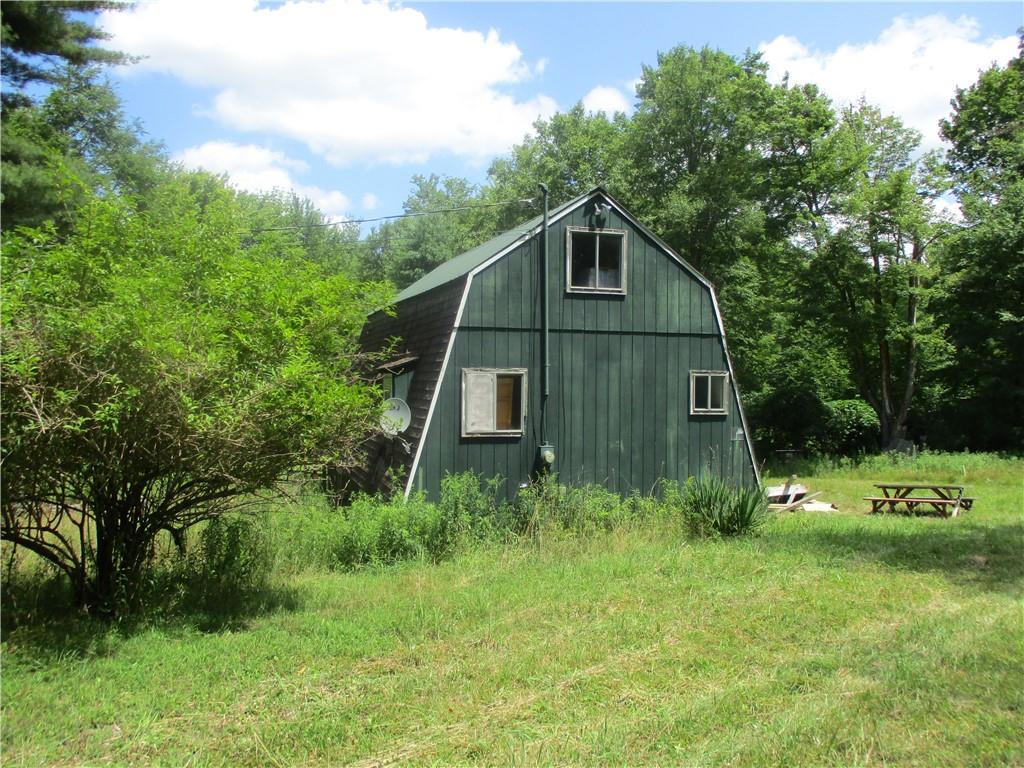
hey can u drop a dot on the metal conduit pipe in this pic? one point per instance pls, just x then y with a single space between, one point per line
545 335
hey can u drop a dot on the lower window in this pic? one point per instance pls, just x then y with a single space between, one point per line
708 392
493 401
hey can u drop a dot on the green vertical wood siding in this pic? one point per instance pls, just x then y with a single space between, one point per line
618 414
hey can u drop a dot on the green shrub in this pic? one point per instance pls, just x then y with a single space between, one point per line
640 508
582 509
312 533
534 506
712 508
376 531
469 508
229 565
850 427
586 509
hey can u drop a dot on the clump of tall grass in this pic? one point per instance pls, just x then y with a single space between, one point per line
584 510
312 534
711 508
470 510
373 531
227 567
581 510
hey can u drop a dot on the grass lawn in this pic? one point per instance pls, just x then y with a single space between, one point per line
830 639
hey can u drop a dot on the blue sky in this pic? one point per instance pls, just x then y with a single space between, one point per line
345 101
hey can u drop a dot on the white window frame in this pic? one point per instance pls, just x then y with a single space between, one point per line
569 287
493 373
696 410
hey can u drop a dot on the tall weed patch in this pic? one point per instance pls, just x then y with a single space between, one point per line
376 531
303 532
229 565
470 510
584 509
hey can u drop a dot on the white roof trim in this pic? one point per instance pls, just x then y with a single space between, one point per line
735 386
437 390
597 192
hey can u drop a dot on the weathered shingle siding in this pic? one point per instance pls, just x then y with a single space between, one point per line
422 327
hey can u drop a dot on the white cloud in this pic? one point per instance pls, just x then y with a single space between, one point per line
947 209
911 70
605 98
355 81
258 169
369 202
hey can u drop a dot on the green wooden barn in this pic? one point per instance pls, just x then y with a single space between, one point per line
601 357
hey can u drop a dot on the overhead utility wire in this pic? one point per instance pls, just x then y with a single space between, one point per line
387 218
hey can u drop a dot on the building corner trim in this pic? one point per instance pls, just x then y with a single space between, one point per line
735 385
410 481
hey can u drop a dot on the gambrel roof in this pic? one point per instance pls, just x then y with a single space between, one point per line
429 315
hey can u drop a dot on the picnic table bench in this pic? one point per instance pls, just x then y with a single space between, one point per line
946 500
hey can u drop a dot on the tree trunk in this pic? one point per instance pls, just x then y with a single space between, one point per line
887 421
917 256
121 555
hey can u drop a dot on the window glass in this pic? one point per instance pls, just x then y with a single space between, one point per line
584 260
400 385
708 392
509 403
609 253
700 392
597 260
717 393
395 383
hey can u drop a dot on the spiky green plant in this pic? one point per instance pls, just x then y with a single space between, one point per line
711 508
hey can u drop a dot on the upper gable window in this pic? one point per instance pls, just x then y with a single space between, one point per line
596 260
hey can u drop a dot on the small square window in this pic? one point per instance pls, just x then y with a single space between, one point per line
396 376
708 392
596 260
493 401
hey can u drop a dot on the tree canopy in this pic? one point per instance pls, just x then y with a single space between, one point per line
38 38
983 263
158 370
171 348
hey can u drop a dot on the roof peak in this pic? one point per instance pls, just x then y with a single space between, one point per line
462 264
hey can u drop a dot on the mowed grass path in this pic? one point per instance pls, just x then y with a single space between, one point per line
831 639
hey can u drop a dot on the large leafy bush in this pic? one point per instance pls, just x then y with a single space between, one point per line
160 366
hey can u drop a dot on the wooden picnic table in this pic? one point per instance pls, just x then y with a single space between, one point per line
946 500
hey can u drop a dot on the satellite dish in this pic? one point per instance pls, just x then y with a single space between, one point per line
396 417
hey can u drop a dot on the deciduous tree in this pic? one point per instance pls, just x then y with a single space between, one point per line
160 367
983 261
